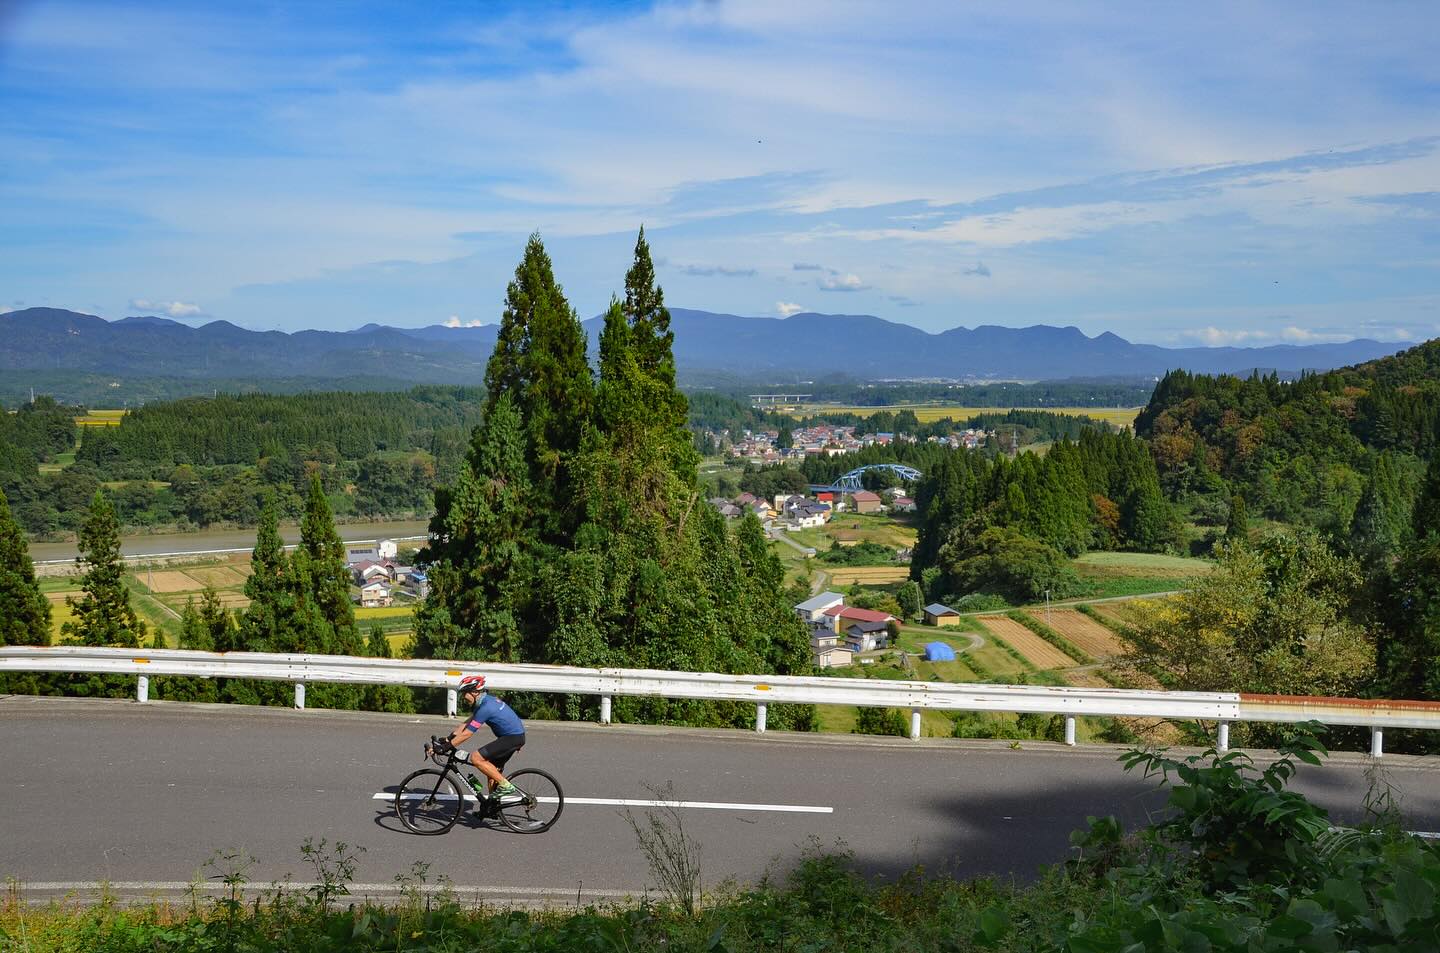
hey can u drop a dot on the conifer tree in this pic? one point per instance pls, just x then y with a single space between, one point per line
320 565
1381 524
24 611
1238 525
103 615
654 353
1425 518
265 620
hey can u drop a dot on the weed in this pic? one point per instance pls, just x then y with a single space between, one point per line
671 853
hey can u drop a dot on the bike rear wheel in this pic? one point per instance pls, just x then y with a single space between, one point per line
539 805
429 801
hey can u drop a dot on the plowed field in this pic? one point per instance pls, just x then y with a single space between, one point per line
1087 634
170 581
1039 652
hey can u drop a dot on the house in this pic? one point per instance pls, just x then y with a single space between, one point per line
377 551
867 636
369 569
803 513
937 614
840 616
375 594
903 504
825 496
866 502
834 656
420 583
813 609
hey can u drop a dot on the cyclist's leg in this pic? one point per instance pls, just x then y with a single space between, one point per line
492 758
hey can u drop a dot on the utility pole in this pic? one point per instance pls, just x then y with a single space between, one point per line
1047 607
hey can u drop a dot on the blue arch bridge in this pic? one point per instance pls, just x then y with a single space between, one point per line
850 482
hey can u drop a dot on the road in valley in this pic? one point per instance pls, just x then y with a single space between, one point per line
109 790
211 541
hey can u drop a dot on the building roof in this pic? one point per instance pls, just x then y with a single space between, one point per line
863 627
858 615
823 601
865 496
936 608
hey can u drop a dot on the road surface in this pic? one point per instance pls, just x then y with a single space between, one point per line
109 790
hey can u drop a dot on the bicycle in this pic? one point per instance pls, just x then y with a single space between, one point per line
430 802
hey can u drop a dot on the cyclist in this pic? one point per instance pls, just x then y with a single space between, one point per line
509 732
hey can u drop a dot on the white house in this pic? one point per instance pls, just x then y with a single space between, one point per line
375 594
813 609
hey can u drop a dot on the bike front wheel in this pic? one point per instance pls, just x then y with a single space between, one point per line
538 805
429 801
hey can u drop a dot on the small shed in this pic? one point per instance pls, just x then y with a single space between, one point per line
937 614
939 652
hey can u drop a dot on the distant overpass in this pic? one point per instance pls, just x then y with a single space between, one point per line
778 400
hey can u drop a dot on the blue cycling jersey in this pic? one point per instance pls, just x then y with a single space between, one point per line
499 716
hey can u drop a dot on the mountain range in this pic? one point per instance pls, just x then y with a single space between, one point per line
802 345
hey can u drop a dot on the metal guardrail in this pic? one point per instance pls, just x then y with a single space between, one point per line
1224 708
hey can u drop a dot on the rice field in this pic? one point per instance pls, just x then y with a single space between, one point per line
928 413
100 418
868 575
1036 650
1084 632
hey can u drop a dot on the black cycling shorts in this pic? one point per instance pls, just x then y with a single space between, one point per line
499 751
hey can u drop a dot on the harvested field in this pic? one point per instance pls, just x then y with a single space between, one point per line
1084 632
170 580
868 575
1040 653
220 577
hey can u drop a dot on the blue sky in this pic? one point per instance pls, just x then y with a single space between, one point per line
1216 173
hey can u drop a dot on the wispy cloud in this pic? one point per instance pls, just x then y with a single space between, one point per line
806 266
454 322
787 308
716 271
171 309
979 271
839 282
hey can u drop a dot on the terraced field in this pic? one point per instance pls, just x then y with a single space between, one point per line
1086 634
927 413
1036 650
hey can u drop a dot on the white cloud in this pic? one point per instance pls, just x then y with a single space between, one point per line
172 309
454 322
847 282
787 308
1212 336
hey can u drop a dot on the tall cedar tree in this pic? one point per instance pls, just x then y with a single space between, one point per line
539 360
482 550
103 615
24 611
653 347
320 567
268 588
1425 518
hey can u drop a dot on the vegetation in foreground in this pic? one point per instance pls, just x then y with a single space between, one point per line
1238 864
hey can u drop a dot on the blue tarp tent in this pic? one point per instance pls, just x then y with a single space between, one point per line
939 652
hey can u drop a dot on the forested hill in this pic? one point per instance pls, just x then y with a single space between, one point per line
1313 443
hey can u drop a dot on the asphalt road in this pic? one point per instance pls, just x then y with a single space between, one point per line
212 541
141 796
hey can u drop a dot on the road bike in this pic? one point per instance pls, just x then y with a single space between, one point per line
430 801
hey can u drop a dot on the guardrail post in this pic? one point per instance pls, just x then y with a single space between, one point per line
450 702
914 724
1070 730
299 694
604 709
1377 742
142 689
760 716
1222 736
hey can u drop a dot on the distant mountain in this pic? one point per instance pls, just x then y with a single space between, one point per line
862 346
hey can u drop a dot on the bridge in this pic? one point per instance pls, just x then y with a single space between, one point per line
852 481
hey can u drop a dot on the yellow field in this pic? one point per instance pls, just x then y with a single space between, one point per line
1039 652
100 418
383 612
169 580
927 413
218 576
868 575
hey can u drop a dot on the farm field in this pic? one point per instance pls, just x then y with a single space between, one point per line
869 528
1131 574
100 418
1086 634
1036 650
927 413
867 575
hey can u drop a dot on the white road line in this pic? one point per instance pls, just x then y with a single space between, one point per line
633 802
378 888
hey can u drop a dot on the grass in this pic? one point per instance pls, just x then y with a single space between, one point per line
927 413
1143 564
